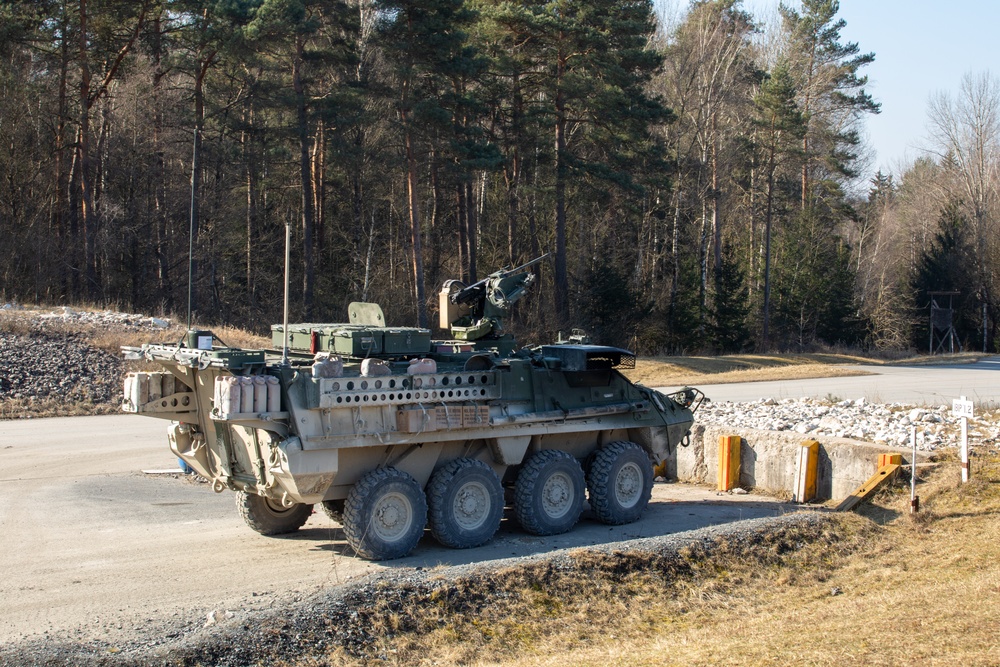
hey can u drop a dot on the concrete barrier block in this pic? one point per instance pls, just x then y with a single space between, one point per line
768 460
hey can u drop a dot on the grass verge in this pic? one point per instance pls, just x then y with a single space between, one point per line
881 587
679 371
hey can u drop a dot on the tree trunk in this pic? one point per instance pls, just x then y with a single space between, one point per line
512 174
768 214
417 260
305 174
250 174
161 247
463 228
65 242
85 165
561 287
196 178
319 190
716 196
472 232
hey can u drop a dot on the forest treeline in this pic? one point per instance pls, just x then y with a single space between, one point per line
694 179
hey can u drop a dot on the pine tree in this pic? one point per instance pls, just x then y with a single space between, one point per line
426 44
779 126
731 308
831 92
947 266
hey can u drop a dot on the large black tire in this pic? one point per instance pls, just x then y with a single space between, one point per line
465 504
549 493
620 483
269 517
385 514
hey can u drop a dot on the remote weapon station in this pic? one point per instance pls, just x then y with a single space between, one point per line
392 432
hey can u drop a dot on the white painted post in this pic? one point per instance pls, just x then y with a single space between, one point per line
964 409
965 450
914 501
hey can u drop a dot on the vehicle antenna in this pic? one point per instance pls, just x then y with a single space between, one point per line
194 195
288 260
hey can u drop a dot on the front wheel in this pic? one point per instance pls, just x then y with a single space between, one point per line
620 483
385 514
270 517
548 493
465 500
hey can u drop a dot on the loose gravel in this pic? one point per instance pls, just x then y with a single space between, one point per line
46 359
62 367
889 424
344 616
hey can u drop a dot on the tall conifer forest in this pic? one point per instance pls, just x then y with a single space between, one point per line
699 181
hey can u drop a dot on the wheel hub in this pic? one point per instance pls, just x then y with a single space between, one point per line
472 505
392 517
628 485
557 495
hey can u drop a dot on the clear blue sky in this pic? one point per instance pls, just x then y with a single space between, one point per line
920 47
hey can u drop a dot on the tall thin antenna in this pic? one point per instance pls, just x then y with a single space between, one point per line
194 194
288 261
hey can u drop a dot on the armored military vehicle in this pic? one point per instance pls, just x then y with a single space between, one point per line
391 431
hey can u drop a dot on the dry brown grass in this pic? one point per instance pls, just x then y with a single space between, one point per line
679 371
28 408
916 590
113 340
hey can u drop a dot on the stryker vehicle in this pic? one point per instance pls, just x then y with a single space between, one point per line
391 432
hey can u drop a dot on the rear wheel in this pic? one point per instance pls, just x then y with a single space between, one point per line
465 503
620 483
548 493
270 517
385 514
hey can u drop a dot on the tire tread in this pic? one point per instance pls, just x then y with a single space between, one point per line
526 487
437 516
270 525
599 484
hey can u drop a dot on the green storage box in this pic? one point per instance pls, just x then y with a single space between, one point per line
300 336
352 340
406 341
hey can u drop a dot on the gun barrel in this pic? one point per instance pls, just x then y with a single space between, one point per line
472 291
527 264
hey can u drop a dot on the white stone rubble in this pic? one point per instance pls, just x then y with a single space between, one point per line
858 419
104 318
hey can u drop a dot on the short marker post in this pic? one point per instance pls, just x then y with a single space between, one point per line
806 472
963 408
729 462
914 498
965 450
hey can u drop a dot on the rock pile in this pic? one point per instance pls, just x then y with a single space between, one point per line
42 358
103 318
57 367
858 419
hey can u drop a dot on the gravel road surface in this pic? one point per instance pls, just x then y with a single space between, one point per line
102 550
914 385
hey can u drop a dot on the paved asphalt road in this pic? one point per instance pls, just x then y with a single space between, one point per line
917 385
93 546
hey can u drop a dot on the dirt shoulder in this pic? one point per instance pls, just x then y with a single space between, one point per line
771 590
361 621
